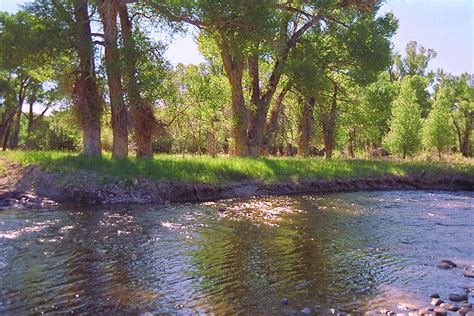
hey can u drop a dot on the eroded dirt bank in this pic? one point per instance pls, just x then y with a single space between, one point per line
30 186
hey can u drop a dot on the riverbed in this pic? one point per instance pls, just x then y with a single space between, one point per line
349 252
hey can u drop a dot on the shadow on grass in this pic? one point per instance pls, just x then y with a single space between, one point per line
205 169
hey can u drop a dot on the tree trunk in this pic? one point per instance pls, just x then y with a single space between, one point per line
234 71
306 127
108 13
261 101
328 123
5 124
88 104
6 137
15 132
466 144
351 145
272 124
143 116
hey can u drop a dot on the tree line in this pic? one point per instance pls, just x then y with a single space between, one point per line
279 78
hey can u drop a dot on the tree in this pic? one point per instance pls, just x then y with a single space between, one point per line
458 92
88 104
437 130
327 64
415 64
108 10
247 33
405 122
143 117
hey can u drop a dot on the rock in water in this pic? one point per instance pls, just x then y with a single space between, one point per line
305 311
450 307
434 295
468 274
426 311
439 311
452 264
457 297
436 302
464 310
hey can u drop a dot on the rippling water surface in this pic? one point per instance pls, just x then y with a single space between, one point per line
351 251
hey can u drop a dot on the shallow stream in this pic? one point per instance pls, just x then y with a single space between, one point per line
351 251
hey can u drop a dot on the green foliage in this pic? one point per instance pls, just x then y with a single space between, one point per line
416 60
437 130
55 132
405 123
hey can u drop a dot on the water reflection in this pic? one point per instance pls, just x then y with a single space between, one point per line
353 251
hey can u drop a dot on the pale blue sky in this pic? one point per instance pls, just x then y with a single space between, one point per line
447 26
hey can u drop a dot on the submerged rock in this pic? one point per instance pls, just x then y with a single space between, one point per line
446 264
434 295
450 307
457 297
449 262
468 274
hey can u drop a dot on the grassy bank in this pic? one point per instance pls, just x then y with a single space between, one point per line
205 169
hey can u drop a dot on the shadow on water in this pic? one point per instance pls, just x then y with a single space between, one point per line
352 251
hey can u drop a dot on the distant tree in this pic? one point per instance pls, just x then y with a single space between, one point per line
415 62
437 129
405 123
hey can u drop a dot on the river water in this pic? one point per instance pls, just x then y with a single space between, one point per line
351 251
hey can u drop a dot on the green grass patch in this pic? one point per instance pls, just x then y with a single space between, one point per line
3 169
218 170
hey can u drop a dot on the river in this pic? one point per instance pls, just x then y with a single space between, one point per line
350 251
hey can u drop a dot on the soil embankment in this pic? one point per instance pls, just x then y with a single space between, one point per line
31 186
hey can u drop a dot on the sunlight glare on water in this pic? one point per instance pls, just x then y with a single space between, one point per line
352 252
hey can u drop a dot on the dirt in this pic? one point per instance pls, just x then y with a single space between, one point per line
29 186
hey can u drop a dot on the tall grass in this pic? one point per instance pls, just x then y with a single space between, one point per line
218 170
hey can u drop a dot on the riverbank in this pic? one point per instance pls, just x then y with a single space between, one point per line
46 178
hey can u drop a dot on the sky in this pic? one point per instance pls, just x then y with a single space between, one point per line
447 26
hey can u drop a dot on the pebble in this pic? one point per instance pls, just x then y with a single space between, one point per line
436 302
450 307
305 311
439 311
426 311
464 310
449 262
284 301
457 297
444 265
468 274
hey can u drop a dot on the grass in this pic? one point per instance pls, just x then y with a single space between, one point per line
206 169
3 170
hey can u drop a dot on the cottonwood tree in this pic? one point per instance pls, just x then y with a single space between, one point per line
325 65
87 100
404 137
437 129
458 92
246 32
